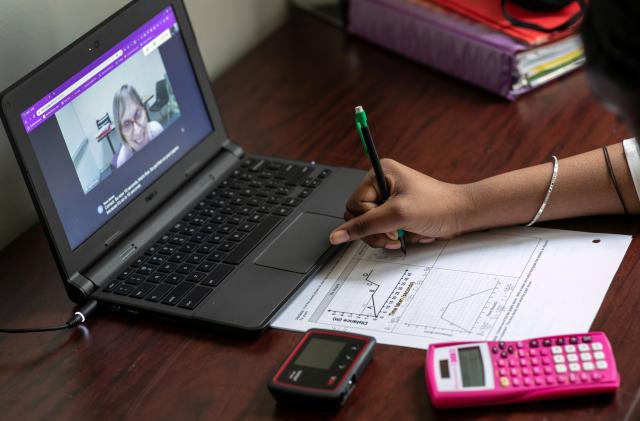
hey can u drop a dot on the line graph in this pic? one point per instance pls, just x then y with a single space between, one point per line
456 314
459 302
371 294
432 292
367 306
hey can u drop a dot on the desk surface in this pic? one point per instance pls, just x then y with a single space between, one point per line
300 87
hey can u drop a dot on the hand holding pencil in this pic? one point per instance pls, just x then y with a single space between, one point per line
393 199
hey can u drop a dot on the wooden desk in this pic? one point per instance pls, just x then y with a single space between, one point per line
299 89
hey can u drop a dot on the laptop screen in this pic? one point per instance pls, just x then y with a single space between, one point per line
107 133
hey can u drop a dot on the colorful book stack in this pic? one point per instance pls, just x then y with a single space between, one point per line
470 40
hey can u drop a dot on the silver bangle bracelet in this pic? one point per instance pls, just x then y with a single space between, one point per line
549 190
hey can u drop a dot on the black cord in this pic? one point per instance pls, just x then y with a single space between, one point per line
78 318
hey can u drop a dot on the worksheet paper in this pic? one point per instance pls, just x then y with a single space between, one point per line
505 284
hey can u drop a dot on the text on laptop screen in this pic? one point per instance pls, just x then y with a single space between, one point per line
111 130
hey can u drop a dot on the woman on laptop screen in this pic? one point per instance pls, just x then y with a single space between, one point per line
134 125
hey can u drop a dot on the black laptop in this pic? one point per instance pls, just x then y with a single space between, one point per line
147 204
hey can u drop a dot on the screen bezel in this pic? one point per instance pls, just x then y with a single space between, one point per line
65 65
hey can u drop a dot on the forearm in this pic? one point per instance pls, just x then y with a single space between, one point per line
583 187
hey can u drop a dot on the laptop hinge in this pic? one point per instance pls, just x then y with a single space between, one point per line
234 148
79 287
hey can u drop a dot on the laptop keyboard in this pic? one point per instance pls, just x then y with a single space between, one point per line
196 255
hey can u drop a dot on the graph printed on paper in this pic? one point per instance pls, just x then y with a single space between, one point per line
425 295
370 294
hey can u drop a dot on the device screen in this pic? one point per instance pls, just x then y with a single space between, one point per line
471 366
319 353
117 125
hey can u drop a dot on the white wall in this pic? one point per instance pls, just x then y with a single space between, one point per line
33 30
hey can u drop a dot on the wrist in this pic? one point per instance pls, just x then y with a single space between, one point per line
471 210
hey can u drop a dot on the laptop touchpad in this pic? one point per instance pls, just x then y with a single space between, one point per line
301 244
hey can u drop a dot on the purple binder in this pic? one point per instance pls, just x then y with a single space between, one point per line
443 40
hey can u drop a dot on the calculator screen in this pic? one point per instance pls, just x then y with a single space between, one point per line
471 366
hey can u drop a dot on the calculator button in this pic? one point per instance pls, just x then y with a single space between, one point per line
586 356
573 340
512 362
583 347
515 382
501 345
546 360
535 361
503 354
598 355
494 349
524 362
572 358
569 348
501 363
573 367
519 344
588 366
503 372
596 346
533 343
586 339
547 370
550 380
558 359
537 370
560 341
543 351
538 380
556 350
533 352
573 378
514 372
504 382
510 349
546 342
526 371
562 379
584 377
602 365
596 376
526 381
522 353
561 368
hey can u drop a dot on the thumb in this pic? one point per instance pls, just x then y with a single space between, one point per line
378 220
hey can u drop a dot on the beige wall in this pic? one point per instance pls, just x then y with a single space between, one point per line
33 30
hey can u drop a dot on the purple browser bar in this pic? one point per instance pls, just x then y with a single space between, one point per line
155 29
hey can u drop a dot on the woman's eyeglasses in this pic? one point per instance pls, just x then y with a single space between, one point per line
138 118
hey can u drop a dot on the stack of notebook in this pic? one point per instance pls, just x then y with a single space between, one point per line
470 41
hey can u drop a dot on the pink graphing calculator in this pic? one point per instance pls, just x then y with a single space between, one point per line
490 373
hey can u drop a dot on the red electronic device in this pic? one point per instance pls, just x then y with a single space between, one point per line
323 368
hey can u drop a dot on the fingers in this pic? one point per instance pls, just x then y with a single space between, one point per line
413 238
379 220
367 195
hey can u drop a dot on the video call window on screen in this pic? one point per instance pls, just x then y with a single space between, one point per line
118 124
123 112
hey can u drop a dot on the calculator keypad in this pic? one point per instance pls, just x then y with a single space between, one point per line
549 361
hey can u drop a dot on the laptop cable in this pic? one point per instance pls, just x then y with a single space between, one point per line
79 317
